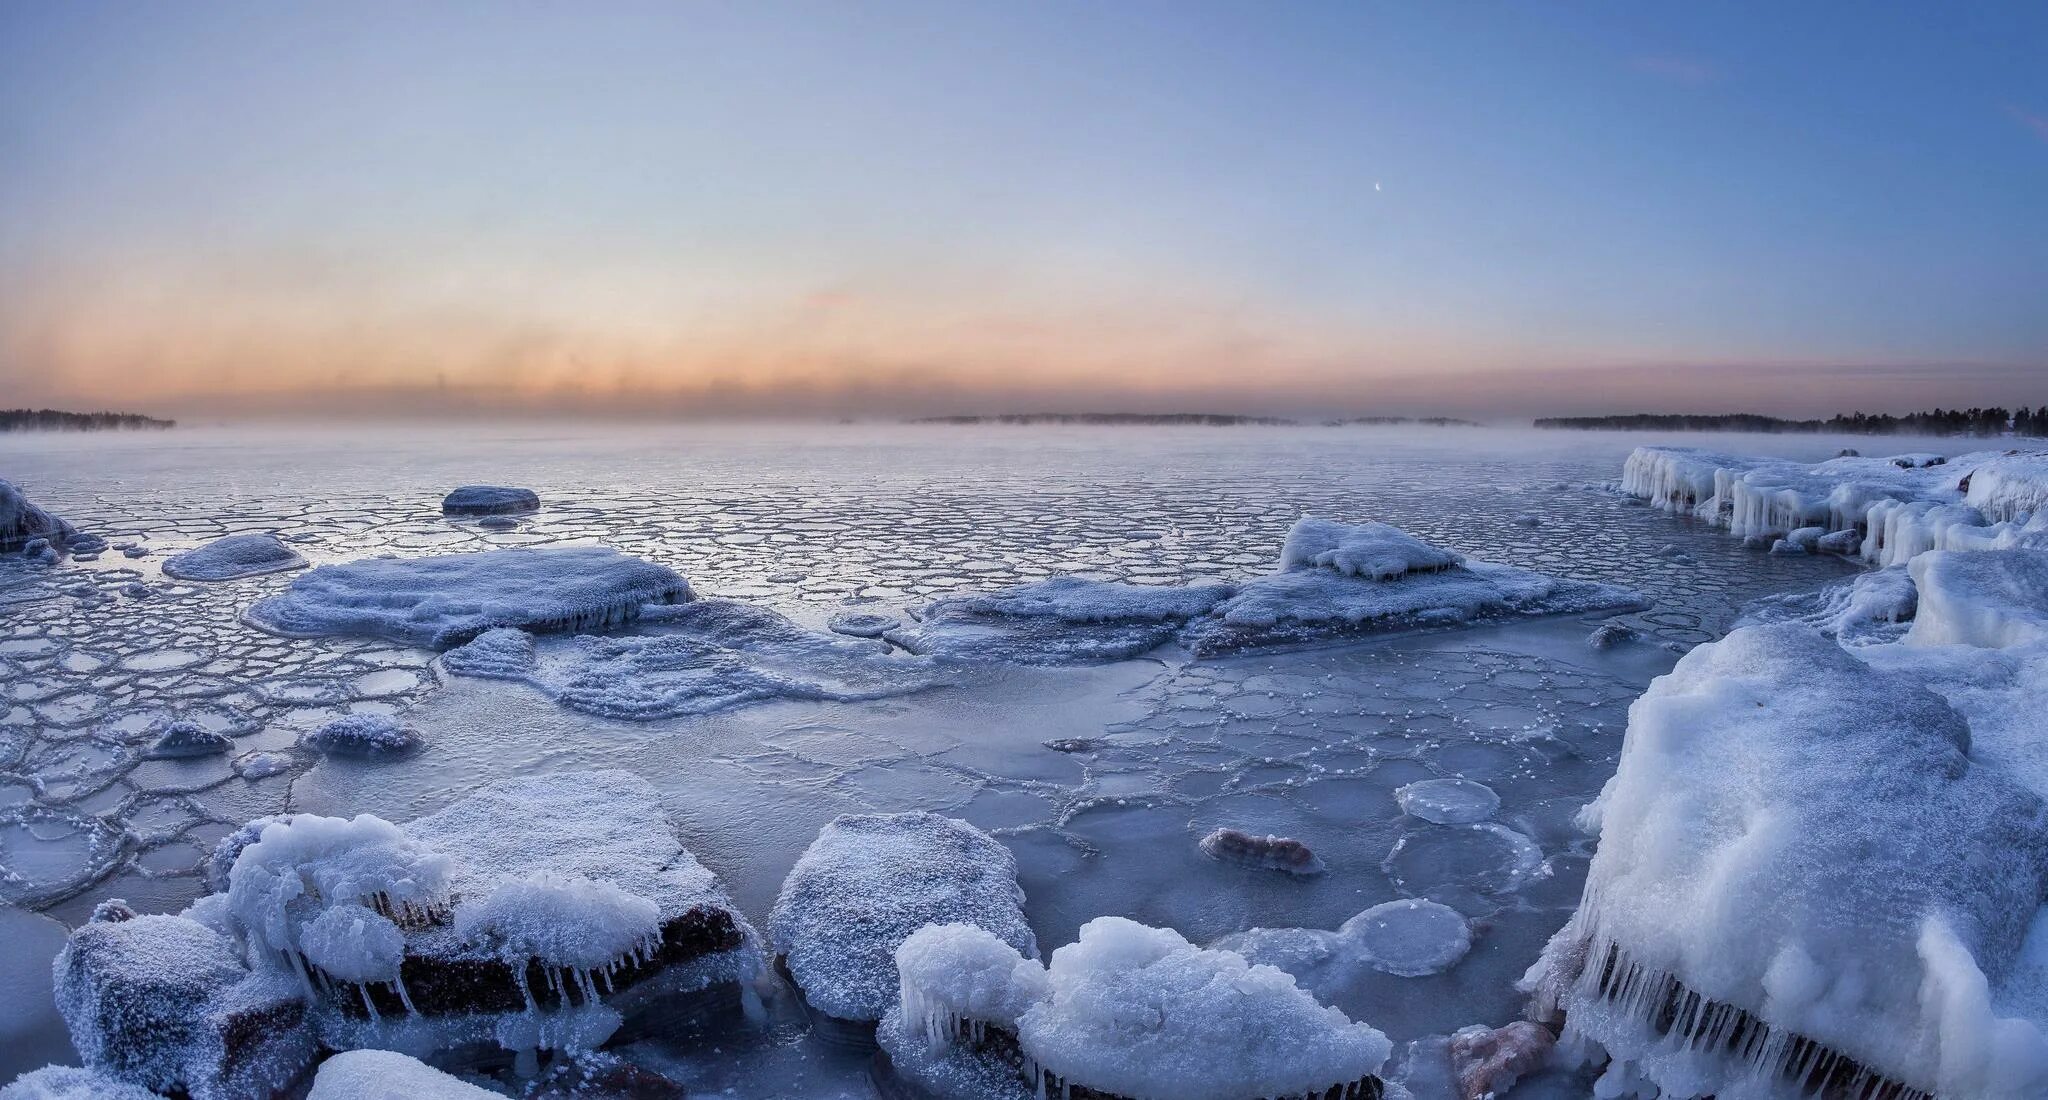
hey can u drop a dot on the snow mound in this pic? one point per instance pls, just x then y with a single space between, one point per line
695 658
299 866
366 735
22 522
71 1083
233 557
1992 600
1448 801
445 601
489 500
1798 849
179 739
1377 551
870 880
1277 853
1059 620
387 1075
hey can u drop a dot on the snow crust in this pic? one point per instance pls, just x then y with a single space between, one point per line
489 500
444 601
233 557
871 880
387 1075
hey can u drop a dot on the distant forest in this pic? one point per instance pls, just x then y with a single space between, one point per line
55 420
1207 420
1974 421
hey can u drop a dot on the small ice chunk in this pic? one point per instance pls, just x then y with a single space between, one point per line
867 883
445 601
862 624
1448 801
489 500
1409 938
232 557
364 735
262 765
388 1075
1278 853
184 738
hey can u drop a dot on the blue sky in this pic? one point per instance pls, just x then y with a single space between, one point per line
967 206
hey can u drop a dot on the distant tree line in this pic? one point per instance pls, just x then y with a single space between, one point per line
56 420
1971 421
1210 420
1431 421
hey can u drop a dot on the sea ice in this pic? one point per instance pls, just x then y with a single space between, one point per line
1448 801
1057 621
867 883
368 735
1407 937
445 601
489 500
233 557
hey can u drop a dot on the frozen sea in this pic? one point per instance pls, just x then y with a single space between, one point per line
811 520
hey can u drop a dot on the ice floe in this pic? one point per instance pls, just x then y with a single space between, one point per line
1448 801
489 500
234 557
1058 620
867 883
444 601
1407 938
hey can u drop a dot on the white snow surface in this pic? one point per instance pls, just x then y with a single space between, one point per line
953 974
1813 836
444 601
1993 599
2008 487
1143 1013
871 880
386 1075
72 1083
1377 551
232 557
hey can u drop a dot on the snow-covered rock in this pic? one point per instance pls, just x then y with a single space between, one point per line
1276 853
1129 1012
232 557
489 500
180 738
867 883
1993 600
21 520
447 600
365 735
387 1075
1058 620
1377 551
1810 869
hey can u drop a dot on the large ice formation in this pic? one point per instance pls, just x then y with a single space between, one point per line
1886 509
447 600
867 883
1993 600
694 658
536 914
23 522
1820 872
233 557
489 500
1127 1012
1058 620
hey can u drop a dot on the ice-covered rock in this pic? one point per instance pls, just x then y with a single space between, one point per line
1992 599
232 557
180 738
72 1083
1276 853
23 522
1448 801
1609 635
489 500
447 600
867 883
365 735
1127 1012
1875 606
388 1075
166 1003
1377 551
1058 620
1487 1062
1807 872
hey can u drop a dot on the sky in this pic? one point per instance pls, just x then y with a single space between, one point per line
678 209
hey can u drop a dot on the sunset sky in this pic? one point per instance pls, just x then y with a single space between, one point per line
844 208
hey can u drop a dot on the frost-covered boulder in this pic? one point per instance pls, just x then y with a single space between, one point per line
181 738
867 883
232 557
168 1004
1277 853
1805 873
445 601
1338 580
489 500
1127 1012
1057 621
22 522
364 735
1990 599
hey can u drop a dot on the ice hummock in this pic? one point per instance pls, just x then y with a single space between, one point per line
1127 1011
233 557
445 601
489 500
870 880
1058 620
1808 873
